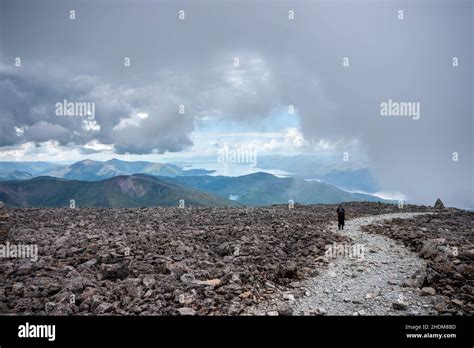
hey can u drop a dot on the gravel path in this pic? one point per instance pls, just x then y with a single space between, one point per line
372 285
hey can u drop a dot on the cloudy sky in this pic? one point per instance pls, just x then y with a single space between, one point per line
228 72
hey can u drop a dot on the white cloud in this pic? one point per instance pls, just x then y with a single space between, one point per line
97 146
290 140
134 120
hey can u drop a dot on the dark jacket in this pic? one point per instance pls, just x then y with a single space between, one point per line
340 213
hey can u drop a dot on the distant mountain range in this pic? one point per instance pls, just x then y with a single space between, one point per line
89 170
118 192
16 175
267 189
348 175
117 183
33 168
351 175
141 190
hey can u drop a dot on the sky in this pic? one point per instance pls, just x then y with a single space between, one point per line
284 77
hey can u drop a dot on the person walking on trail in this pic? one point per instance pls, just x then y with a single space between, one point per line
340 216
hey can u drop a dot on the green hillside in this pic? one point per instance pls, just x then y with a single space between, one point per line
117 192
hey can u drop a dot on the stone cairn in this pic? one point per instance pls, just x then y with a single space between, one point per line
439 205
3 223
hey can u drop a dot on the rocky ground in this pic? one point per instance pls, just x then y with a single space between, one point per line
446 241
170 261
368 281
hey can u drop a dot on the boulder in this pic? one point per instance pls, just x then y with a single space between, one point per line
288 270
400 305
186 311
114 271
429 249
428 291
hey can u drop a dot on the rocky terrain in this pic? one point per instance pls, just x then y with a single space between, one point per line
367 282
446 241
170 261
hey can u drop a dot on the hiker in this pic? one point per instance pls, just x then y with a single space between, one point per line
340 216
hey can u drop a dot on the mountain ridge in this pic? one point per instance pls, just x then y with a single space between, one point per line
148 190
91 170
118 192
266 189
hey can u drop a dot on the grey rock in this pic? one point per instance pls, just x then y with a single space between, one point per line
186 311
114 271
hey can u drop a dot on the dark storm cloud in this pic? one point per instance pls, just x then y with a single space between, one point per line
29 102
43 131
282 62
